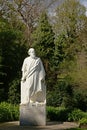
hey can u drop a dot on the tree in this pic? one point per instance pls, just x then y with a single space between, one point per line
14 91
21 14
69 18
12 54
43 38
43 42
2 73
24 13
69 23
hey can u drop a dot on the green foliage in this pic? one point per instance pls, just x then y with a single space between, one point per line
44 38
63 51
69 18
54 98
83 121
62 94
78 129
65 94
69 21
68 24
57 113
4 25
1 92
14 92
43 42
8 112
13 52
80 97
60 48
76 115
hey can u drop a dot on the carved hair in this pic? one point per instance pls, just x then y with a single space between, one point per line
29 51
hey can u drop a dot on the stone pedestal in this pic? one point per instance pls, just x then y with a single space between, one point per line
33 114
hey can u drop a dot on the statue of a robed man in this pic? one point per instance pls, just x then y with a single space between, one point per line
33 80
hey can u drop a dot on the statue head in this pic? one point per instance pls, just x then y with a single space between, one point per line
31 52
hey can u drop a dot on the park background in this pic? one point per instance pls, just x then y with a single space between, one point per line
57 29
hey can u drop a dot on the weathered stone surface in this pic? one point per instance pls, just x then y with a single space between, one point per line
33 114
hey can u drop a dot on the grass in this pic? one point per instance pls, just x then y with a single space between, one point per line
78 129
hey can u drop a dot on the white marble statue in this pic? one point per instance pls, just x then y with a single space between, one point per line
33 88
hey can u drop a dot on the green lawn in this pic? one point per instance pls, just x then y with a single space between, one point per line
78 129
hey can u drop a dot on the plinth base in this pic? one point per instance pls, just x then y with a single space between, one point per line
33 114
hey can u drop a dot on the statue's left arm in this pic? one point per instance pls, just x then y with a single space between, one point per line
24 72
42 71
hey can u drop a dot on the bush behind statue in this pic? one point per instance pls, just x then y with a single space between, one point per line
8 112
57 113
77 115
65 114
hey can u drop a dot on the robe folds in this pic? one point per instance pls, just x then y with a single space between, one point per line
33 87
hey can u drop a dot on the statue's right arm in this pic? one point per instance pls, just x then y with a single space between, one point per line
23 72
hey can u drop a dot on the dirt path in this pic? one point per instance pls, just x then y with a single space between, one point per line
50 126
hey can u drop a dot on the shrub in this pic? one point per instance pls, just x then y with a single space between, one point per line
54 98
80 97
83 121
8 112
57 114
76 115
14 91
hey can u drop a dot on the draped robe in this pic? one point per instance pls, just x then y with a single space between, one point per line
33 88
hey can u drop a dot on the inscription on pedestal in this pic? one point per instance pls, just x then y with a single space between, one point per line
33 114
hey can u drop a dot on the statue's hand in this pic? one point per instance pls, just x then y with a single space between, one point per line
23 79
43 80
